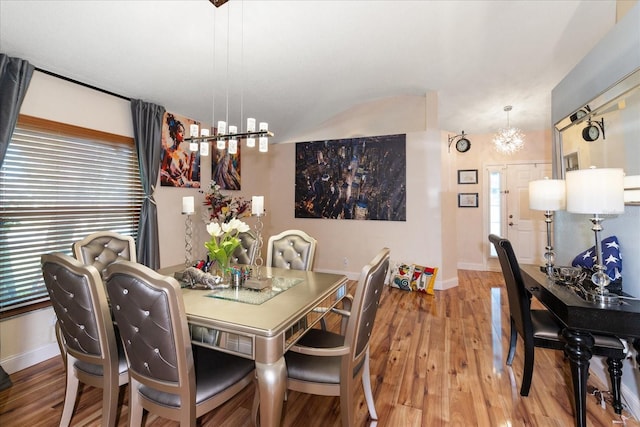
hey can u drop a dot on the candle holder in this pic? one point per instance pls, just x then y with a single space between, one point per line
188 241
256 281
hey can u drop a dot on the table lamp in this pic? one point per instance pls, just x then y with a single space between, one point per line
547 195
598 192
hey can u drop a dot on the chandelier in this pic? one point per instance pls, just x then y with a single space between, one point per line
226 135
508 140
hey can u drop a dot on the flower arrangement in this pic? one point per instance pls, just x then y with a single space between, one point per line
223 208
224 240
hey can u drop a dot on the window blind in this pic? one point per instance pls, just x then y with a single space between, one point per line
55 190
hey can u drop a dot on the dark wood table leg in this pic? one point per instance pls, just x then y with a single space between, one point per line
579 350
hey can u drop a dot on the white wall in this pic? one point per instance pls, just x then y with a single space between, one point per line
421 238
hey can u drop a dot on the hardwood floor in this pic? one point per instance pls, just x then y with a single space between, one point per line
432 361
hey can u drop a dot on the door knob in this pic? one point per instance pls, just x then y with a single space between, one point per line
510 224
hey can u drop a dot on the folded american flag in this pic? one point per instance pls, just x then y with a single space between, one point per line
611 258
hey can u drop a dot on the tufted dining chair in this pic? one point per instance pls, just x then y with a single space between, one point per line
94 353
292 249
246 252
539 328
99 249
103 248
330 364
165 378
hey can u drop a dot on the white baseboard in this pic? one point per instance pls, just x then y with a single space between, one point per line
25 360
443 285
630 398
470 266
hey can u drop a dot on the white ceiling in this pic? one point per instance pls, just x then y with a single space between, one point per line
303 61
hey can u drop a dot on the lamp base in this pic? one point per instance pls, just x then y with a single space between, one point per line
603 298
257 284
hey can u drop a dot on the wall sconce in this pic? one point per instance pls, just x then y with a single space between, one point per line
462 144
593 129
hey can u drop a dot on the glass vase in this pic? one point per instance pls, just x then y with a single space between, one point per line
224 271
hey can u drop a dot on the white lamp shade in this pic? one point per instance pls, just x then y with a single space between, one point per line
547 195
595 191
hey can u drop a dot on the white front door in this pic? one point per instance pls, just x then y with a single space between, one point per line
509 215
525 228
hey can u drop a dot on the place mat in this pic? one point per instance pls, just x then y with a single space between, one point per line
250 296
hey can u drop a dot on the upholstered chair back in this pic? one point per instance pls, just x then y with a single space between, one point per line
366 301
103 248
92 350
246 252
291 249
166 379
149 313
519 297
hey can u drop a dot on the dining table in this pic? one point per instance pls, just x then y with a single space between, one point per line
581 318
261 324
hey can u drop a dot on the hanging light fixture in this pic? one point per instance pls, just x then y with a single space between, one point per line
508 140
229 139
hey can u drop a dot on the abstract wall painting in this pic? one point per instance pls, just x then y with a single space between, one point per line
355 178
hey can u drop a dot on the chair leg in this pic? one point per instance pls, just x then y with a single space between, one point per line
135 405
346 406
513 340
366 385
110 395
71 394
615 372
528 369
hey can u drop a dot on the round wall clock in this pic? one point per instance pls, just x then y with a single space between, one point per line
463 145
590 133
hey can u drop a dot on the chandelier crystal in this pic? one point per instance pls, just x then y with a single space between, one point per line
508 140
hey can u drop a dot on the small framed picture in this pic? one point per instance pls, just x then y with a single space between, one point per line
468 176
571 162
467 200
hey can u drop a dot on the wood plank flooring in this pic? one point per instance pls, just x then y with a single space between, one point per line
435 361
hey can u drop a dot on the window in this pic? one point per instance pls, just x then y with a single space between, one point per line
495 205
55 189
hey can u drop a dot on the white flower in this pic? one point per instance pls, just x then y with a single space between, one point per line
214 229
236 224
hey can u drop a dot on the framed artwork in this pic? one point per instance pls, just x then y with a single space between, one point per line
225 168
467 200
179 167
571 162
355 178
468 176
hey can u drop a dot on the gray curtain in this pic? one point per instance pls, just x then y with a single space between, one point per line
147 131
15 75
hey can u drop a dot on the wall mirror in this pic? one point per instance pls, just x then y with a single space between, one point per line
605 132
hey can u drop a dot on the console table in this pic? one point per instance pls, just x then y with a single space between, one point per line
582 318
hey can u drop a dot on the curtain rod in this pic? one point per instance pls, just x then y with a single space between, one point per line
51 73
